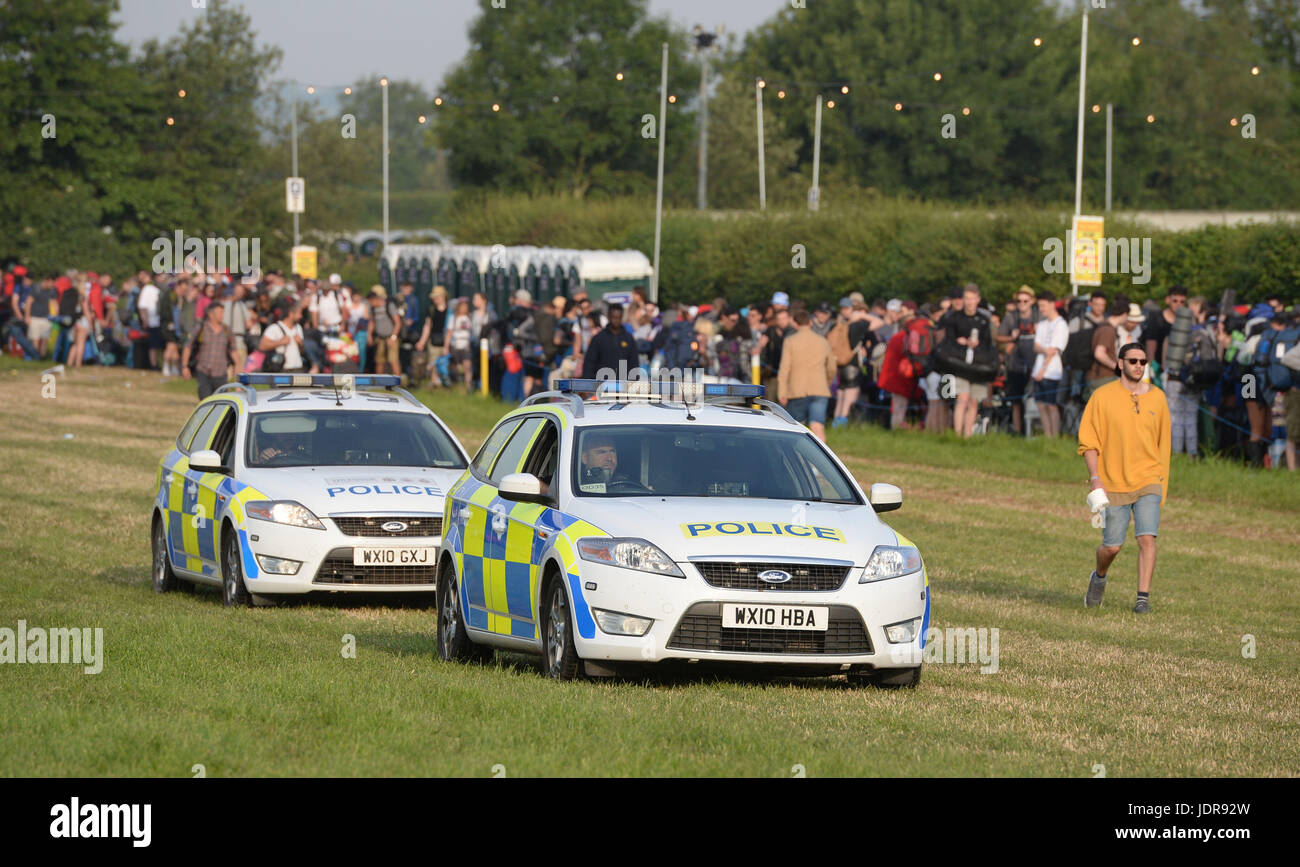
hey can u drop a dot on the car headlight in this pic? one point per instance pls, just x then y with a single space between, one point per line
630 554
890 561
283 512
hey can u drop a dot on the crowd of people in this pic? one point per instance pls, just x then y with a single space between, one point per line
955 362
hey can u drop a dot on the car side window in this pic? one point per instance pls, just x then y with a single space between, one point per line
203 438
224 441
492 447
187 433
513 453
544 458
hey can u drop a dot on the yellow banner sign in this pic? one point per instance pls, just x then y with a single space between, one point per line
304 262
1086 250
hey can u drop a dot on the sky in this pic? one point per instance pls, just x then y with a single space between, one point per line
334 42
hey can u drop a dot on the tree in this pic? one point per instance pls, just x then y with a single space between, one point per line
565 122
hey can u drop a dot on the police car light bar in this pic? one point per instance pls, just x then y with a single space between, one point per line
320 380
661 387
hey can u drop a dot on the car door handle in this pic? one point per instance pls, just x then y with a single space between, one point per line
463 512
191 489
168 478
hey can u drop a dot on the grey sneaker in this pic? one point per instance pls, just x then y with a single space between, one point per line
1096 587
1143 606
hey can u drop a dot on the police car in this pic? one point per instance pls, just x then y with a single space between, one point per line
314 483
696 525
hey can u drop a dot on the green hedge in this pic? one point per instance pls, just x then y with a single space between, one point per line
883 248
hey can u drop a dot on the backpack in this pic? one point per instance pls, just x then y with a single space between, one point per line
838 338
1278 376
680 348
919 349
1202 366
1078 349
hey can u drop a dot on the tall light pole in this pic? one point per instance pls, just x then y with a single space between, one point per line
659 189
762 175
295 157
815 194
383 86
1078 161
1109 143
704 43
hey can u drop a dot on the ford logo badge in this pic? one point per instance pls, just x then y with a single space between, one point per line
394 527
774 576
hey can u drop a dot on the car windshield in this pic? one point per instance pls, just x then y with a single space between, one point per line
309 438
693 461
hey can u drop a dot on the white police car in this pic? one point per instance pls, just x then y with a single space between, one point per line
635 528
317 483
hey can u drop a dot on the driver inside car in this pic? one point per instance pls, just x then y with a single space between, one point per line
600 461
275 445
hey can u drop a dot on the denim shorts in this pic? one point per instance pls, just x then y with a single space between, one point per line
1146 520
1048 392
807 410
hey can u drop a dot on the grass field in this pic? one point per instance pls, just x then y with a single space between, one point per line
1000 522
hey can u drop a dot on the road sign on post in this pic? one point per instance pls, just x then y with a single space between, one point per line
295 195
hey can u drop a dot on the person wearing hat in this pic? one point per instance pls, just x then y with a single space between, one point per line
780 300
433 333
384 328
1015 337
823 319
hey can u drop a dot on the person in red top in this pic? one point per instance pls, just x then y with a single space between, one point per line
897 373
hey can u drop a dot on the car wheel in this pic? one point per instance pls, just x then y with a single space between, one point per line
454 644
887 678
164 579
561 657
233 590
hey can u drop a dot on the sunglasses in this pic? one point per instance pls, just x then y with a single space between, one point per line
1131 360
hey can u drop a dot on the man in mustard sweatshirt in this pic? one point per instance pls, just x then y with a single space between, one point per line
1124 440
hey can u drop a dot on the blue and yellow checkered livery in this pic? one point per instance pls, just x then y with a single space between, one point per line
499 550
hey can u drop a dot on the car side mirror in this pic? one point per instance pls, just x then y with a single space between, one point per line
208 461
523 488
885 498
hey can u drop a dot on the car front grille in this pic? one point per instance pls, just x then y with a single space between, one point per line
804 577
416 525
337 569
701 629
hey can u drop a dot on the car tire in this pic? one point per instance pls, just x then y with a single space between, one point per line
888 678
164 579
453 641
559 656
234 593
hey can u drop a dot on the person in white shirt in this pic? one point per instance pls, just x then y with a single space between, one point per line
285 336
147 304
1051 335
328 306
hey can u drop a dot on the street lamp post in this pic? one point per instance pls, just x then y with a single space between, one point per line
704 43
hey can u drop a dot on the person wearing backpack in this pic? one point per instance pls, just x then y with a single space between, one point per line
1281 339
1016 337
1291 401
1271 377
385 326
904 364
859 339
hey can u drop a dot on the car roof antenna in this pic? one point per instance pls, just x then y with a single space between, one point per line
338 401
